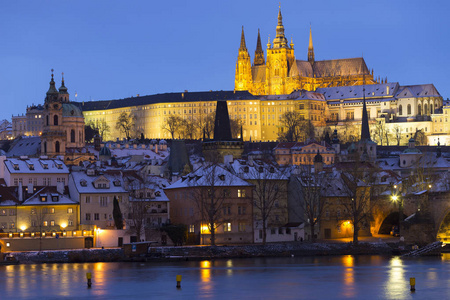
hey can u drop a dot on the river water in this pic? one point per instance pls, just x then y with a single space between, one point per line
331 277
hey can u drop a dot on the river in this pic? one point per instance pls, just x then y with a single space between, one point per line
326 277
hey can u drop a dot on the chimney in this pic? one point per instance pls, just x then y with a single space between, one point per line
20 192
60 187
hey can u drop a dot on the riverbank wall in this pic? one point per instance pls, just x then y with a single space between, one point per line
203 252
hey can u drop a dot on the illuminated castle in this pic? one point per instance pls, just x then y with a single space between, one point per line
282 73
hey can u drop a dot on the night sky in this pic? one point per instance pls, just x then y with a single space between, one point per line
116 49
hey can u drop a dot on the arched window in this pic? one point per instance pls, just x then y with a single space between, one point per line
72 136
431 109
419 109
409 109
57 146
425 109
55 120
45 146
400 110
47 119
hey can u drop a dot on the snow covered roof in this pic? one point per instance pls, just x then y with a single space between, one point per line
49 196
36 165
25 146
256 170
85 184
209 175
380 91
418 90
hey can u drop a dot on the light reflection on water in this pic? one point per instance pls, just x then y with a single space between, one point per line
338 277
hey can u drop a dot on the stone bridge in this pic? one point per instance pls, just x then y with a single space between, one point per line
431 220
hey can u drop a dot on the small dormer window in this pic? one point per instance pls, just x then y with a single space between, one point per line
246 169
59 165
45 166
272 170
55 198
16 167
260 169
222 177
83 182
116 182
43 198
157 193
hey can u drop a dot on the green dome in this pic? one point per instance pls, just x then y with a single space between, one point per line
70 110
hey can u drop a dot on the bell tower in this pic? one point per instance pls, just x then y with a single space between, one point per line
53 138
280 58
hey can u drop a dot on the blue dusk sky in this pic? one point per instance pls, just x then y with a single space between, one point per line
116 49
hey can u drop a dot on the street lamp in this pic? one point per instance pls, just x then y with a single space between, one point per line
396 198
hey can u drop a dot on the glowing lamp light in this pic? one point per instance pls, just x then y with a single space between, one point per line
53 233
63 225
23 227
21 234
10 234
8 244
84 232
74 233
32 234
64 233
43 234
395 198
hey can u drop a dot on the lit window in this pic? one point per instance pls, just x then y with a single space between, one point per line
227 227
241 193
70 210
191 228
45 223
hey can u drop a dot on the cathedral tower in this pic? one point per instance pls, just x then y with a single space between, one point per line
310 48
243 78
280 58
259 53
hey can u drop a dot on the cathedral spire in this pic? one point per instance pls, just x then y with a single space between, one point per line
365 132
310 47
280 40
259 54
243 46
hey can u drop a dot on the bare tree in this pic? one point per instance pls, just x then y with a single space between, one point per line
420 138
380 132
358 181
205 124
309 197
126 124
172 125
235 125
39 221
397 134
269 191
188 128
293 127
138 206
209 191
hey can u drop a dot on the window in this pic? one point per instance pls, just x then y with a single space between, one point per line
55 198
241 227
88 199
408 109
4 225
227 227
45 223
33 211
43 198
241 210
191 228
51 210
96 216
103 201
227 210
241 193
88 217
338 213
52 223
70 223
70 210
3 212
12 225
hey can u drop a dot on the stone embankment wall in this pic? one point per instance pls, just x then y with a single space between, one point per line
202 252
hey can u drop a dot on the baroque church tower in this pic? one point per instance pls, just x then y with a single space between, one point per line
53 139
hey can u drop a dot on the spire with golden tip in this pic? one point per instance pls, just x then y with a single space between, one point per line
259 53
310 47
280 40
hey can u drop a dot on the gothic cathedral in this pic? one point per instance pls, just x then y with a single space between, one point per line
281 73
